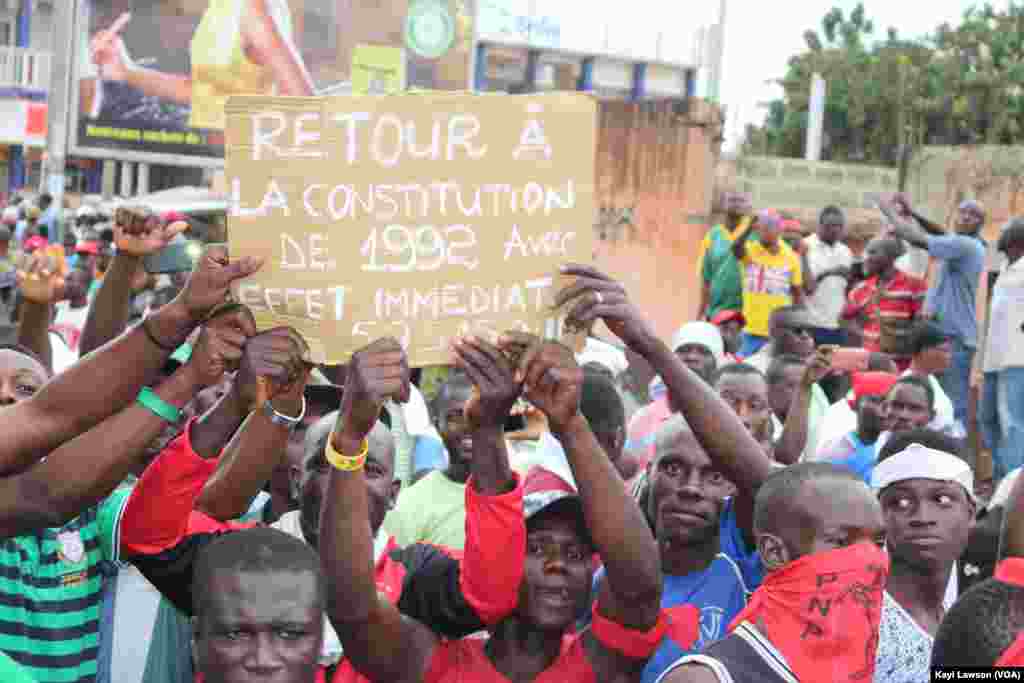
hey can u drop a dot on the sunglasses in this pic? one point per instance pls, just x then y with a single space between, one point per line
800 331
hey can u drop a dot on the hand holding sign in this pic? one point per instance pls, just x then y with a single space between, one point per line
552 381
595 296
377 373
495 388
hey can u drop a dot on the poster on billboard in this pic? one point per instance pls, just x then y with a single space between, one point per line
152 76
421 216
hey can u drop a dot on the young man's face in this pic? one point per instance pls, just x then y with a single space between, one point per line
731 332
878 258
831 228
907 408
827 514
452 425
927 522
21 376
687 493
747 395
558 571
782 391
260 626
871 415
698 358
381 487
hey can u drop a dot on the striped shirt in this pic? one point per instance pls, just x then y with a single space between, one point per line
51 592
902 298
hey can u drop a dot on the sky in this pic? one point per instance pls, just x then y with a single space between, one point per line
761 36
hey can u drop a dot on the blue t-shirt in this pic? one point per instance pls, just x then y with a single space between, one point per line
856 456
952 300
720 592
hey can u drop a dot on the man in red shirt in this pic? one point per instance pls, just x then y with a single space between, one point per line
537 641
888 293
165 536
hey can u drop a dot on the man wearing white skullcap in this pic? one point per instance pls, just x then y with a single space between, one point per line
927 497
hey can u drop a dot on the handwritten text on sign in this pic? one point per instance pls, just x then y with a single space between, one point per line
422 217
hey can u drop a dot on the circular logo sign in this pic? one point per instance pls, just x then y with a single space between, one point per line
429 28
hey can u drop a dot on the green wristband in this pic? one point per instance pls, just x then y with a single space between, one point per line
158 406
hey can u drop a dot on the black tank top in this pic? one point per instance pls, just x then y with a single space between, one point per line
744 656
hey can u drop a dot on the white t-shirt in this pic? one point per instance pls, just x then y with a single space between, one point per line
75 317
829 298
1002 494
840 419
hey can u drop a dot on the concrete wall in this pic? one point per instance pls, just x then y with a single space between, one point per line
655 182
798 184
939 178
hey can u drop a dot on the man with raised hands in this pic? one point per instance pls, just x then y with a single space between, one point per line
536 642
801 514
704 476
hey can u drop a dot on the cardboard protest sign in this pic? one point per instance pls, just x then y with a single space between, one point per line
423 217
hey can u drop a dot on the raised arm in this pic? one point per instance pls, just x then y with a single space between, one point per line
552 381
273 364
86 469
137 233
739 246
790 447
714 423
266 42
380 643
495 549
902 203
41 286
904 229
107 380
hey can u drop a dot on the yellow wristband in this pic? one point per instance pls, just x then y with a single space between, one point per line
346 463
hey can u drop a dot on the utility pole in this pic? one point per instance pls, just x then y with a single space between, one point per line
58 105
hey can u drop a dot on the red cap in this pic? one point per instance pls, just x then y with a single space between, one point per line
35 242
873 383
723 317
172 216
87 248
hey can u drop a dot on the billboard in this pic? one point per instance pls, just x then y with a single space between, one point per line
152 76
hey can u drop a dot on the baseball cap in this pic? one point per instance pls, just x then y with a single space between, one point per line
35 242
702 333
728 315
10 215
543 490
873 383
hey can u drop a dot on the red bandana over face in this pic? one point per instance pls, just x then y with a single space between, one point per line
1012 571
822 612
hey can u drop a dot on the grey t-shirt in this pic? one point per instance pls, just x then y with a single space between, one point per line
952 299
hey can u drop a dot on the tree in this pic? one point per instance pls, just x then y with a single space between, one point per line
959 85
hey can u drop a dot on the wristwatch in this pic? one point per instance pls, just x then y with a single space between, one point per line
284 420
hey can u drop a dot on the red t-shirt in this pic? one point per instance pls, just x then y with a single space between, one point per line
464 661
901 299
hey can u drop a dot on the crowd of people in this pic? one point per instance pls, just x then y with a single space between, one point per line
781 492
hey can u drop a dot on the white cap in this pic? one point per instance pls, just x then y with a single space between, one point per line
10 215
703 333
920 462
85 210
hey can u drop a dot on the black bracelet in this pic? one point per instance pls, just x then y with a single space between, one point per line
149 334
